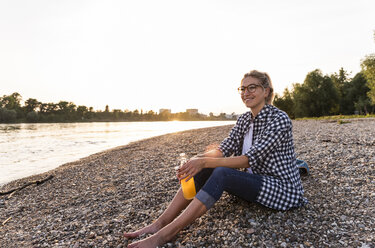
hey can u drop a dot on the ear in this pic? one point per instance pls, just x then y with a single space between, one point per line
266 92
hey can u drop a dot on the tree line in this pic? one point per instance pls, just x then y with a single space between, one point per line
32 110
335 94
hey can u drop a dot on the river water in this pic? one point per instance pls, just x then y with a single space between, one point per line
28 149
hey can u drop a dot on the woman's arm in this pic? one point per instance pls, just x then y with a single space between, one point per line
196 164
230 162
212 153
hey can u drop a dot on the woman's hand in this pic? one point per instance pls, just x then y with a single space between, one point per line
190 168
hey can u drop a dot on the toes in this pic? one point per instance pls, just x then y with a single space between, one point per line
130 235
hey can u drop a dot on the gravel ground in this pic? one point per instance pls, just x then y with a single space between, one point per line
91 202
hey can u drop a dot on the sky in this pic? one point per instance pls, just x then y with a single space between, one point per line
173 54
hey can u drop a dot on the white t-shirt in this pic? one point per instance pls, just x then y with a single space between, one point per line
247 143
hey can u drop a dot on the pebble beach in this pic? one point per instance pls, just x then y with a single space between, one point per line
93 201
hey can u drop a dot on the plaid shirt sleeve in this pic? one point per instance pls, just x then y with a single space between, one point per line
230 145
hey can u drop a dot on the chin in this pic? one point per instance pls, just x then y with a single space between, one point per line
249 105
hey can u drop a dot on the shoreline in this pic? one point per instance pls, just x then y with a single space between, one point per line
101 121
39 175
72 142
92 201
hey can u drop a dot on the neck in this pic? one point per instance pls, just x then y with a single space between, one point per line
255 110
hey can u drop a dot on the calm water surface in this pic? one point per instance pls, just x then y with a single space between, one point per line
27 149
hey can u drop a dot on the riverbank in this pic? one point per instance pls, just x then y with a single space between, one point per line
29 149
91 202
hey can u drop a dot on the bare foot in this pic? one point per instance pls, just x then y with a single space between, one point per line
152 228
150 242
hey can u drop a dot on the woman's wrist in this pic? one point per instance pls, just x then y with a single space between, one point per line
204 162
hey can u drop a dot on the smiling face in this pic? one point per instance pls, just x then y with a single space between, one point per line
254 100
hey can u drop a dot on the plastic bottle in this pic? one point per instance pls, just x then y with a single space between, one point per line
188 188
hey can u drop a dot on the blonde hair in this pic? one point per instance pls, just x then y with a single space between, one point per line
265 81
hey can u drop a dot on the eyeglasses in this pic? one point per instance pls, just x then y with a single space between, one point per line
251 88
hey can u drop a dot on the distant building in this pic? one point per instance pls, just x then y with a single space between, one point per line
192 111
231 116
164 111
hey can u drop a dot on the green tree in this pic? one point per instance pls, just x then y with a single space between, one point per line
32 116
63 107
82 112
128 114
285 103
362 105
62 111
117 113
368 68
72 111
51 108
356 94
66 111
43 107
12 101
301 99
317 96
150 115
31 104
90 114
341 82
7 116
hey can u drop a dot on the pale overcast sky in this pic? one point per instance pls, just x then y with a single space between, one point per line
147 54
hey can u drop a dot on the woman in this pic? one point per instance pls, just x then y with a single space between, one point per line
262 142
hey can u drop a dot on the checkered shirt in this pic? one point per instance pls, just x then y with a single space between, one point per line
271 155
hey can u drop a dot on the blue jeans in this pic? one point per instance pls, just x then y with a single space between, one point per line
211 183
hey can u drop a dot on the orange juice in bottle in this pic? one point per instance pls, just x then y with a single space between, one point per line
188 188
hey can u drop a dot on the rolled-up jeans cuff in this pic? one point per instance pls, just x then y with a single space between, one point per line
205 198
